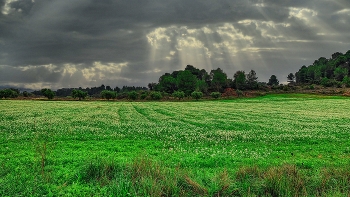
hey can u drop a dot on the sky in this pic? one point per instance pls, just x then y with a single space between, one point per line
87 43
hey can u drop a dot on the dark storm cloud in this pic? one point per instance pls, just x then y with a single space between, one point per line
144 39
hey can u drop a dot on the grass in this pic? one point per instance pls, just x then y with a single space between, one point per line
275 145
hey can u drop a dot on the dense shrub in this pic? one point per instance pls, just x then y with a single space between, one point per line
133 95
179 94
239 93
215 95
108 94
8 93
229 92
143 95
346 81
197 95
156 95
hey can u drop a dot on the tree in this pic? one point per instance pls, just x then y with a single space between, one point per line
25 94
273 80
325 82
290 78
8 93
179 94
239 80
340 73
202 86
79 94
300 76
197 95
186 82
48 93
218 80
133 95
107 94
167 83
252 80
117 89
195 71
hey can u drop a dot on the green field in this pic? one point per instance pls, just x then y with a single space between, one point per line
151 148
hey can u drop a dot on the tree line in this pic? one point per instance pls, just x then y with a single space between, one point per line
195 82
332 72
193 79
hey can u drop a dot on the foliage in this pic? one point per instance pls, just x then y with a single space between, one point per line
108 94
202 86
218 80
273 81
48 93
252 80
340 73
186 82
79 94
156 95
25 94
143 95
239 93
197 95
133 95
8 93
335 68
167 83
290 78
215 95
229 92
179 94
346 81
240 80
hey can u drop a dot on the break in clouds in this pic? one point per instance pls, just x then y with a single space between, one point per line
72 43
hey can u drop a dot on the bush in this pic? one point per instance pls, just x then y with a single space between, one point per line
229 92
156 95
179 94
165 95
286 88
143 95
215 95
239 93
107 94
133 95
330 83
197 95
122 95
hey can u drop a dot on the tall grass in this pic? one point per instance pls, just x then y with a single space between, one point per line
144 177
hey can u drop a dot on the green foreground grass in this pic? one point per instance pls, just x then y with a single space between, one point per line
276 145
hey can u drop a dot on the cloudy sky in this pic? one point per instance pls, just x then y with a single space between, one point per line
72 43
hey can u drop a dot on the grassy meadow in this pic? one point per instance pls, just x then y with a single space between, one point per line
275 145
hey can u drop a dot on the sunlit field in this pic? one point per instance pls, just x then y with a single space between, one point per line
236 147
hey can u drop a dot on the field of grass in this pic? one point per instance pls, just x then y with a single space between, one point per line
275 145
